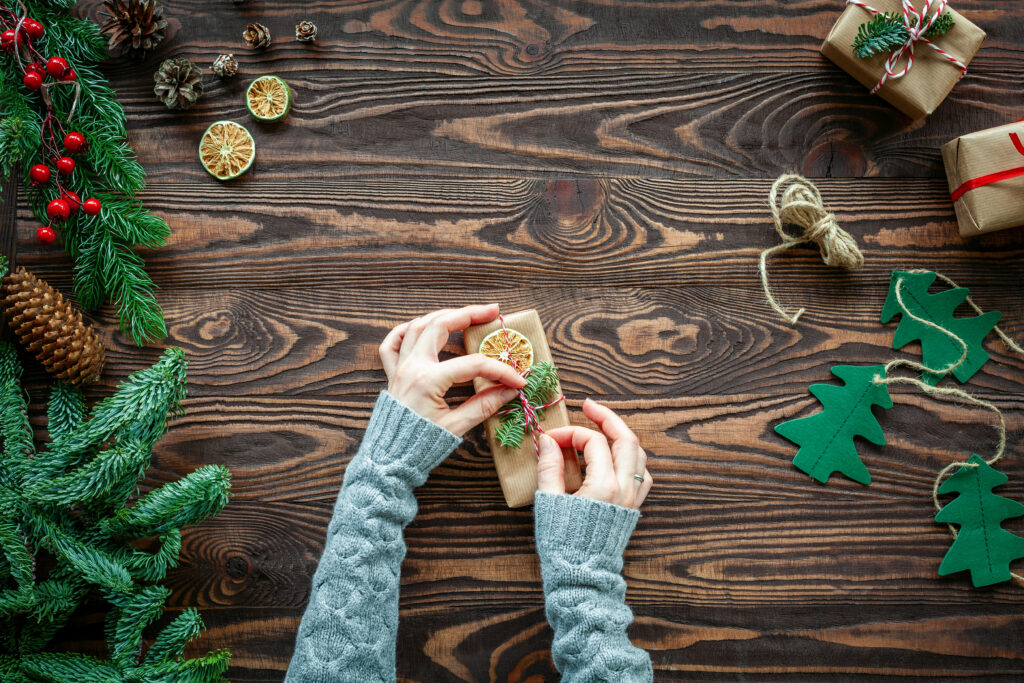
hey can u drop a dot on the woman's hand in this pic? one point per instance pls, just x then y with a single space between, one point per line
420 381
616 474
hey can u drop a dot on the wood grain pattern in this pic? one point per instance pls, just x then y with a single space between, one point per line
606 162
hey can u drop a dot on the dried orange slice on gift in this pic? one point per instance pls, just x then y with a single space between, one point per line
515 350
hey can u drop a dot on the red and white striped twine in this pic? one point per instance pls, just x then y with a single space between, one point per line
917 23
530 411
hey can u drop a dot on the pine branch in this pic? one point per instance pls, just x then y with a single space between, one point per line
190 500
886 31
171 642
136 612
541 384
65 410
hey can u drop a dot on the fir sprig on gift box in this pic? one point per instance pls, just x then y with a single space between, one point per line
886 32
100 237
541 384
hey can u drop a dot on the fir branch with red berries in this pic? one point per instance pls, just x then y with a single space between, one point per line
61 122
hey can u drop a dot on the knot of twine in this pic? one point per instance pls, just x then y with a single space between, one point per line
529 410
801 205
917 23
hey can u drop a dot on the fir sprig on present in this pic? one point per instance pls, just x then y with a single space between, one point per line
541 385
886 32
68 501
102 246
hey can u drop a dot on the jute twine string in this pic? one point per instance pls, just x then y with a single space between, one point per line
801 205
949 391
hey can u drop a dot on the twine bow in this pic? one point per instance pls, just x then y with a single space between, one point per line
529 410
801 205
917 23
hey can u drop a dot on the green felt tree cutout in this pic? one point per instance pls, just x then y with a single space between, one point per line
826 438
938 350
982 546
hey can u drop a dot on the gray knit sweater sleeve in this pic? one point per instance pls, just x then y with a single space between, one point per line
580 542
349 628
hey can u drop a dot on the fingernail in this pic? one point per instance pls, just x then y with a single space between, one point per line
546 442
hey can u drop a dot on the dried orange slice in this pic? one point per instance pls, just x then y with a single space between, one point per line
516 351
268 98
226 150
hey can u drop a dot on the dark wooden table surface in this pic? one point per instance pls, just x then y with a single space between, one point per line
607 163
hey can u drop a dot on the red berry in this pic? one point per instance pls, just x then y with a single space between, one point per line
33 28
65 165
7 39
69 75
39 174
46 235
73 200
91 206
74 142
58 210
32 80
57 66
35 68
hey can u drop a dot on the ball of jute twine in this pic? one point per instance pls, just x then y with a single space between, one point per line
801 205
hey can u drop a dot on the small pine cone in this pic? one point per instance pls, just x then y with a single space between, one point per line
225 66
134 27
257 36
49 327
305 30
178 83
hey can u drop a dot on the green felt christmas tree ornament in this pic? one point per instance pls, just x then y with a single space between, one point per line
826 439
981 546
939 349
70 520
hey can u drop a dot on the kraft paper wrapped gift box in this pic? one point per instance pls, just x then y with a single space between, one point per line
517 467
985 171
932 75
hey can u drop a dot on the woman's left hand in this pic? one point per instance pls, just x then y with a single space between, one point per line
419 380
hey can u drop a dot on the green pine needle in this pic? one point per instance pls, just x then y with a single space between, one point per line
886 31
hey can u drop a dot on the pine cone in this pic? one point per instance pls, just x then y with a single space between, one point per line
257 35
51 329
179 83
135 26
306 30
225 66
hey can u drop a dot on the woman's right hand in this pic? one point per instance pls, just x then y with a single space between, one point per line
613 473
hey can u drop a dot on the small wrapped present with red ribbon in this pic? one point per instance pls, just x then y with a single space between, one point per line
909 52
986 178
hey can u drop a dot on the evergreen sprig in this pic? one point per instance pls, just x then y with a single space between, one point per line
68 500
107 268
541 384
886 32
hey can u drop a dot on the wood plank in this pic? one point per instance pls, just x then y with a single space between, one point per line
501 233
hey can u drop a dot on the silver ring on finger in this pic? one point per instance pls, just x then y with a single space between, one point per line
639 478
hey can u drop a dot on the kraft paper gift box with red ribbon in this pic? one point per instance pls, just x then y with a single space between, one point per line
517 467
986 178
914 77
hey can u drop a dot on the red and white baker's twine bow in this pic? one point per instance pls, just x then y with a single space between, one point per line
917 23
530 411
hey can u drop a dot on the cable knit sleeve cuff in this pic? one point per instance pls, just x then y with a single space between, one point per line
397 433
580 528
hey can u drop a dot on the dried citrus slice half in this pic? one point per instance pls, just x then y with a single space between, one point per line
226 150
516 350
268 98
